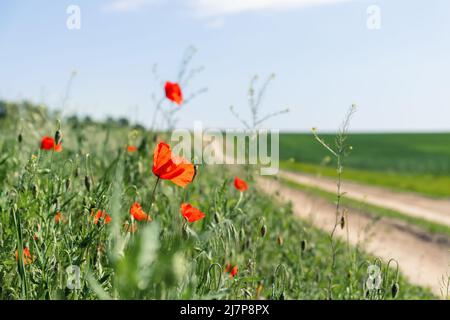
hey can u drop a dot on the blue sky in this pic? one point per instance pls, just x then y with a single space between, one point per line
324 57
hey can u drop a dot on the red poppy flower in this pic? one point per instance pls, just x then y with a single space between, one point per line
240 185
59 217
170 167
131 149
173 92
190 213
48 143
26 256
233 270
102 215
139 214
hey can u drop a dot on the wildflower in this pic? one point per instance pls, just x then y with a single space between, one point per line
167 166
59 217
102 215
26 256
139 214
240 185
131 149
190 213
232 270
173 92
48 143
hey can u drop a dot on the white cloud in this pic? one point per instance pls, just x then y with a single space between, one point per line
223 7
129 5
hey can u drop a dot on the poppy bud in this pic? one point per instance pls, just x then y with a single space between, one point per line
58 137
68 183
20 138
280 240
34 190
185 231
394 290
263 230
303 245
342 222
216 217
87 183
76 173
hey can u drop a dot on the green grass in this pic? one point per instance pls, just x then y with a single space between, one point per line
417 153
434 186
166 258
418 162
375 211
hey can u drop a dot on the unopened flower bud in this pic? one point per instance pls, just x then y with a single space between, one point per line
58 137
20 138
342 223
263 230
34 190
303 245
280 240
394 290
68 184
88 183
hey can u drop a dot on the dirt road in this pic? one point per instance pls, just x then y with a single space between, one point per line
435 210
423 259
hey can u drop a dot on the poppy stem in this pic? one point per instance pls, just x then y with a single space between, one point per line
153 193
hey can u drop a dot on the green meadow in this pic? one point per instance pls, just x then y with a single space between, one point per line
417 162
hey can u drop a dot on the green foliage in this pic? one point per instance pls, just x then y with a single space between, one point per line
412 162
163 259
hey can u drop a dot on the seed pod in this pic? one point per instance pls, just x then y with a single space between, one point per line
342 223
20 138
263 230
280 240
58 137
394 290
88 183
303 245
